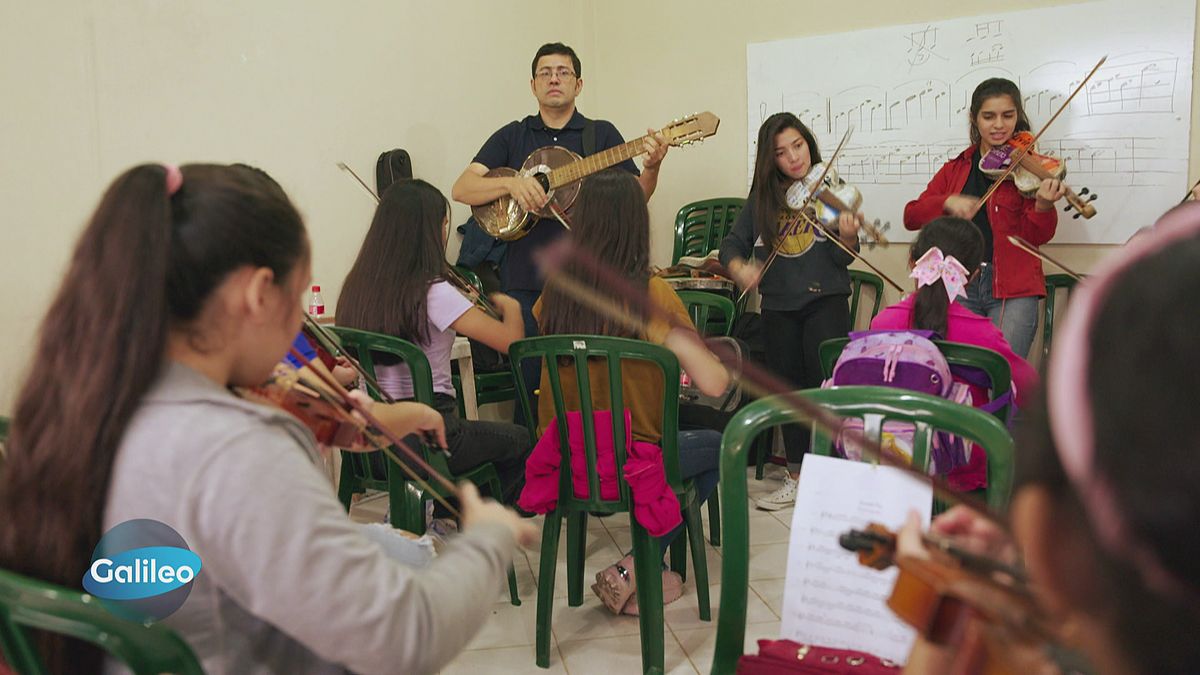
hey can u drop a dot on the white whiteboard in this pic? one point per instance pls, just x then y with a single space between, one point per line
906 91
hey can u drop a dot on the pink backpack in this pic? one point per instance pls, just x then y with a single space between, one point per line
905 359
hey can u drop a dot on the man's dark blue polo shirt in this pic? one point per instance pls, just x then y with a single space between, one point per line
510 146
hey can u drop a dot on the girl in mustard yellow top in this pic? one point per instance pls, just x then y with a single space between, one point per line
611 223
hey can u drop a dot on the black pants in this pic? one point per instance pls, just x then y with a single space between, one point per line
475 442
791 340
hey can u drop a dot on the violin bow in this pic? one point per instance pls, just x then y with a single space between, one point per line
553 258
452 275
1038 253
1021 152
345 400
1189 193
330 344
344 167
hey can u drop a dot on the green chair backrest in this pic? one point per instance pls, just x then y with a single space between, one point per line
1053 283
471 277
957 354
701 305
27 603
700 226
858 279
365 346
926 413
575 352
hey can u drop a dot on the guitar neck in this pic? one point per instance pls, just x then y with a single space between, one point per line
582 168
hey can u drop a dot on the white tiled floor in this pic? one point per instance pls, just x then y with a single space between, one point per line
589 639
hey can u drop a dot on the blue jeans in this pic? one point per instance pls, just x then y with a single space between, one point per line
699 459
1017 318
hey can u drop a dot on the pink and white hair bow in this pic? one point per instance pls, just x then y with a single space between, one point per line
933 266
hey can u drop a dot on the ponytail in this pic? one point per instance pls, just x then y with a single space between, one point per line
955 237
148 260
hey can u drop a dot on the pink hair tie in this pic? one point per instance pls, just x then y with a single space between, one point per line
174 179
934 267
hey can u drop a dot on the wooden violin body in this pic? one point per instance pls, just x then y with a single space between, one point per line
1032 170
954 598
330 423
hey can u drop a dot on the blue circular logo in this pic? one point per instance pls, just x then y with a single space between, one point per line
142 570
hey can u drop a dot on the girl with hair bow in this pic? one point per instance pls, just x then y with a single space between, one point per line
945 257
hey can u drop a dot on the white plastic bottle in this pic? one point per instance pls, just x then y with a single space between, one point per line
316 304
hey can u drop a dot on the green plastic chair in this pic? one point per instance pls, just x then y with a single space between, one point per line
361 471
858 279
1053 283
702 306
927 413
576 350
700 226
494 387
27 603
957 354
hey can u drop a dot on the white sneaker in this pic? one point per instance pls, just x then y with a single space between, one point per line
782 498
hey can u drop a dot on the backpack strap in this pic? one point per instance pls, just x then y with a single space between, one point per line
589 138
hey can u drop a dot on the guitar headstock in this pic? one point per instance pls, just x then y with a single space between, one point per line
691 128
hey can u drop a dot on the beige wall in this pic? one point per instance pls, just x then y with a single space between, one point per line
91 87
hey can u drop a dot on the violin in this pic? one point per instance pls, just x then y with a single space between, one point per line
834 196
956 598
331 423
1032 169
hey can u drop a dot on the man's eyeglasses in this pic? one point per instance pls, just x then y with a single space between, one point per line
562 73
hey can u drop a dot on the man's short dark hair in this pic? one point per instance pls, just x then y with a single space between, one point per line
556 48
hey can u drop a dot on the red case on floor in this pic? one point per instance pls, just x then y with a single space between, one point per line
784 657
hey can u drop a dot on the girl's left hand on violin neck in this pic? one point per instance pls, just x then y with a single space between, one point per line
1050 191
848 226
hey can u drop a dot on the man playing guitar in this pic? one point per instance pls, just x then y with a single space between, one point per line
555 83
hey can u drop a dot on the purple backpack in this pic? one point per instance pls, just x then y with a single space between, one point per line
906 359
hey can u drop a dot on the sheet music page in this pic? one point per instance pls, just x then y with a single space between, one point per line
830 599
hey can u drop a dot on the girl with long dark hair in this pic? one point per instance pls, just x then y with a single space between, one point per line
946 253
187 282
1105 504
805 292
1010 281
397 287
610 221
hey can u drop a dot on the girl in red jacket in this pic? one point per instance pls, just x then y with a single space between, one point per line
1010 281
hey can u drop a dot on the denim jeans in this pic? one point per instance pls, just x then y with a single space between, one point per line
1017 318
699 459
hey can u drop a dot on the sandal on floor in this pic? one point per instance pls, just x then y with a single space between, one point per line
615 584
672 587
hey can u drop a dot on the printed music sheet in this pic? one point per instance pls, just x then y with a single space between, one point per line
830 599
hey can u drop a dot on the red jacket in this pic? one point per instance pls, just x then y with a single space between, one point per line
1015 273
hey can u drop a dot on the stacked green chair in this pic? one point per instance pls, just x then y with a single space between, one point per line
30 604
576 351
361 471
927 413
1053 283
858 279
700 226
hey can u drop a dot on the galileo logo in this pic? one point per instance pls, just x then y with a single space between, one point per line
142 570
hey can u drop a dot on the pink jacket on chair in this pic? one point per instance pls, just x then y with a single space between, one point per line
655 505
